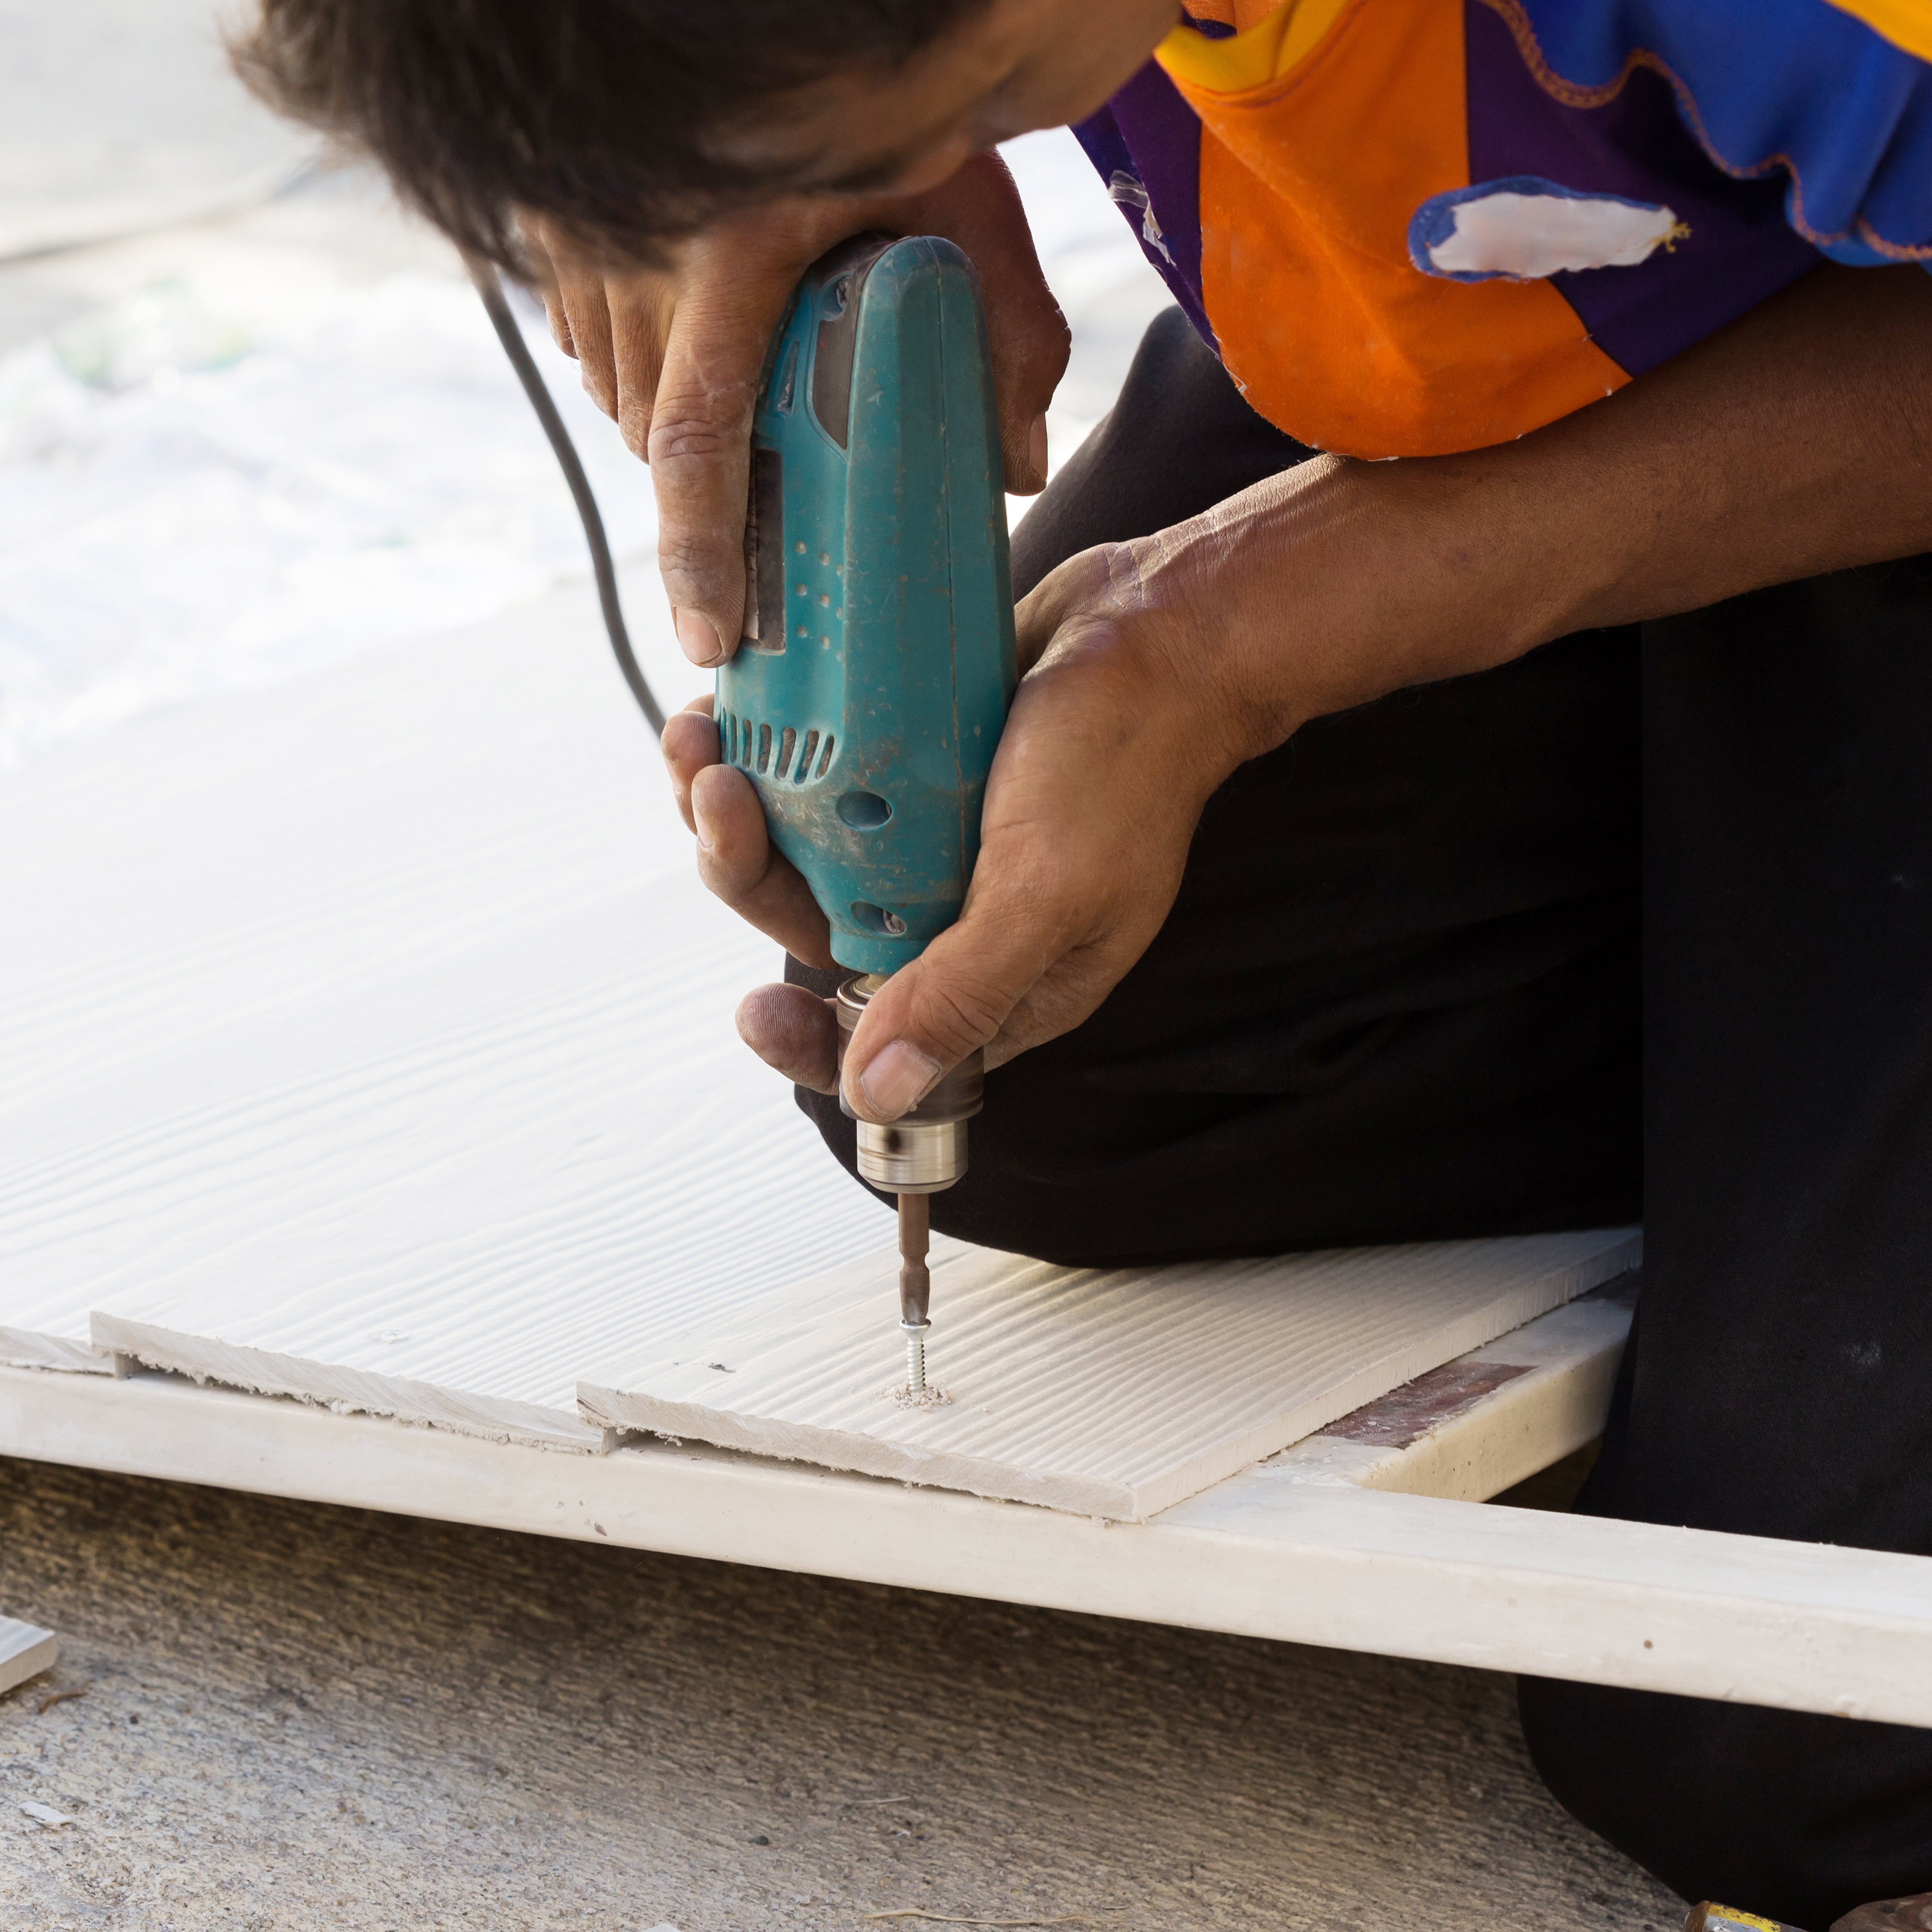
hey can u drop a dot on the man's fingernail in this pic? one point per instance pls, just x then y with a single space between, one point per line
697 636
1036 446
895 1078
701 822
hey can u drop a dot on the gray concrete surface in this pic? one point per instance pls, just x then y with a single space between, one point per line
294 1717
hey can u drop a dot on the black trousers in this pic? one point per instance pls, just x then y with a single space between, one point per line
1636 926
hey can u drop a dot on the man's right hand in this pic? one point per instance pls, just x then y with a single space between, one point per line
674 355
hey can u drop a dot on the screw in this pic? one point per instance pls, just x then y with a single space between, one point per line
915 1285
916 1333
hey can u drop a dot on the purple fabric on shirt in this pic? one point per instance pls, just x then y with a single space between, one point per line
1740 248
1147 131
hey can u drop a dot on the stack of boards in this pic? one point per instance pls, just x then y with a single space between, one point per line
370 1043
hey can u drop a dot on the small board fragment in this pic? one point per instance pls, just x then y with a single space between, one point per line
26 1650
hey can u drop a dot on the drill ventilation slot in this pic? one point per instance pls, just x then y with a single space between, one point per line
749 746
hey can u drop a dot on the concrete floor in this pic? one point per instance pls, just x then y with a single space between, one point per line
296 1717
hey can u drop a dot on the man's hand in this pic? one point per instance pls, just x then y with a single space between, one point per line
674 357
1796 441
1116 739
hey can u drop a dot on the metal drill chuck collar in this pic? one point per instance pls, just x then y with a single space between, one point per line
924 1151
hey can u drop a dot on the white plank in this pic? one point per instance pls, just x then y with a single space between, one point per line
1483 1422
1112 1392
26 1650
1805 1627
369 1039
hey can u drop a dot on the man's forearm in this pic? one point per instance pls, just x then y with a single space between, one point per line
1796 441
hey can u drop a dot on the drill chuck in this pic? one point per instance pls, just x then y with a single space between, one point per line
924 1151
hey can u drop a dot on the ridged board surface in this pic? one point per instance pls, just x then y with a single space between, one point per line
1114 1392
369 1039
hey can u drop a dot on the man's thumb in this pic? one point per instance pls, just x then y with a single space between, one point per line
700 447
927 1017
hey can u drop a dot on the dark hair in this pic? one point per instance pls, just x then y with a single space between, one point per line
595 113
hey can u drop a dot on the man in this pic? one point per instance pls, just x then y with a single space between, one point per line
1314 859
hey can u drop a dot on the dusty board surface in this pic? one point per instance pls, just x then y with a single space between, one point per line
369 1039
26 1650
1115 1392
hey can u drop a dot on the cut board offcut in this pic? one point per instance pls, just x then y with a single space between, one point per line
26 1650
1115 1392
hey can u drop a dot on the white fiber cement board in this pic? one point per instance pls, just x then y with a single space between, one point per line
35 1347
26 1650
1114 1393
369 1039
444 1218
1805 1627
1485 1421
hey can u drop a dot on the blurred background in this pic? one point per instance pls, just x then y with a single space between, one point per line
253 418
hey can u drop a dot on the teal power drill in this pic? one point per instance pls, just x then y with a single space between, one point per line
868 692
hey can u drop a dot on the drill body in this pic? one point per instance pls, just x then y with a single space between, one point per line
867 693
867 696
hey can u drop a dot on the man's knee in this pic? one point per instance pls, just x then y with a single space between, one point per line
1785 1813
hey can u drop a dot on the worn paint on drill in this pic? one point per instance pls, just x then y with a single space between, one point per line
867 718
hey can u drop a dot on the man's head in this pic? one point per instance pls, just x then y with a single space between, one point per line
630 122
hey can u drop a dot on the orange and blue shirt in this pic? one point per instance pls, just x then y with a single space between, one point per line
1414 226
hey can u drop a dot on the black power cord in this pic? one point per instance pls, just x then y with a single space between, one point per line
511 337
